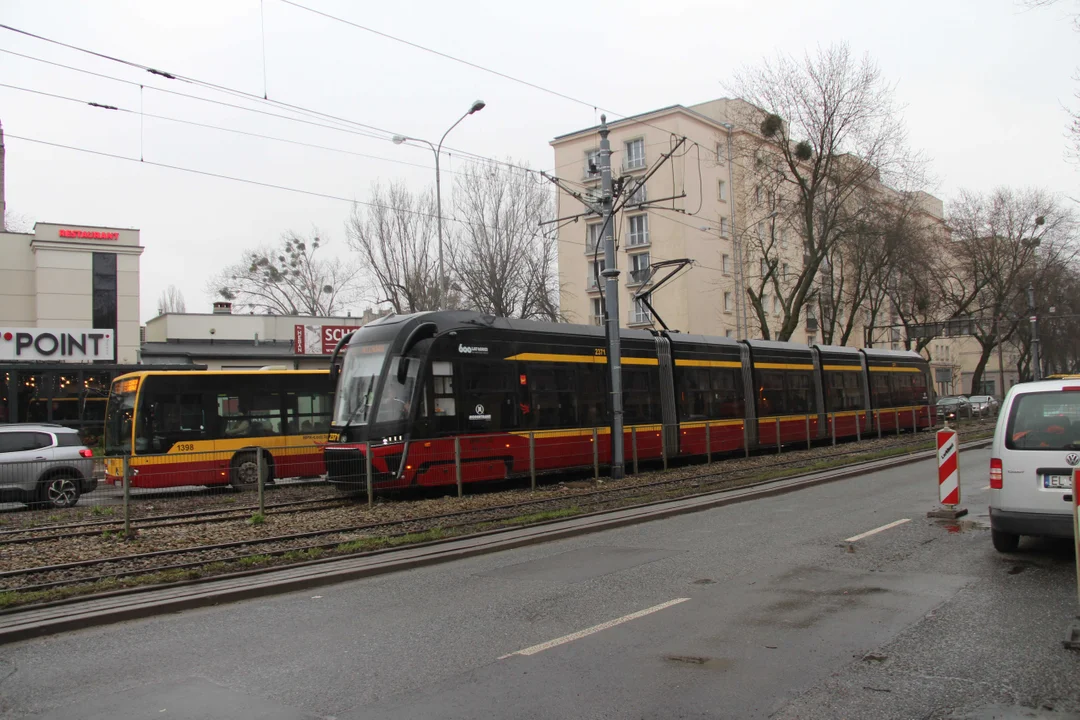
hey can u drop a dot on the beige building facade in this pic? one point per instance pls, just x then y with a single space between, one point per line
72 277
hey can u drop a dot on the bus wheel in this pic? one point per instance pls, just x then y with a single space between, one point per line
244 473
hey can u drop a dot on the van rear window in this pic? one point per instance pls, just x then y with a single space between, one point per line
1044 421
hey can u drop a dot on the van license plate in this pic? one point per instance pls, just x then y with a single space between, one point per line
1057 482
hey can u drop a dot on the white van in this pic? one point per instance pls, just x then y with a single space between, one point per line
1036 447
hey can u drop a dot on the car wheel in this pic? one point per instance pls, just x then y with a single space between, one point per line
1004 542
60 491
245 471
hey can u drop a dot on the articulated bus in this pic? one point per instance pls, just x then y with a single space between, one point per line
207 427
418 395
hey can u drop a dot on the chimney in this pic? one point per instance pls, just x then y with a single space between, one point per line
3 203
222 308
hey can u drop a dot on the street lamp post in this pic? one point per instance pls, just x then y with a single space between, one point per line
437 150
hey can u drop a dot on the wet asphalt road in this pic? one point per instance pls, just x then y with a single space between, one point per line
760 609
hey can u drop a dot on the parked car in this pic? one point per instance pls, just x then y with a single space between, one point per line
1036 447
985 405
44 464
953 408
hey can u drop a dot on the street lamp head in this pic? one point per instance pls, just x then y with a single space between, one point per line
477 106
398 139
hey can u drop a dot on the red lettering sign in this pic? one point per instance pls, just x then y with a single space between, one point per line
89 235
332 334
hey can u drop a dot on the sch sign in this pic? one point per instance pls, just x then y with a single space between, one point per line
319 339
69 345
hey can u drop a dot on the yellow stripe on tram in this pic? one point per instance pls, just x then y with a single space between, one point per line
590 359
842 368
896 369
708 363
782 366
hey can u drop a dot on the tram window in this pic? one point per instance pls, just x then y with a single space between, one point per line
728 400
489 395
918 387
592 381
853 391
882 392
694 393
798 392
553 395
771 394
397 397
639 405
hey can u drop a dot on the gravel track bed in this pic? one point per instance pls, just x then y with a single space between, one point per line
403 516
160 504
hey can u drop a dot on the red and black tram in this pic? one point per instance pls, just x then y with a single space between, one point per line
421 394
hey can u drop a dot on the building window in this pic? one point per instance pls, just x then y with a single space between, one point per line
783 238
783 271
724 226
638 196
595 268
764 268
725 264
639 230
721 191
635 154
727 302
757 194
639 314
592 237
592 164
729 333
104 290
765 303
598 311
776 304
639 268
720 154
811 338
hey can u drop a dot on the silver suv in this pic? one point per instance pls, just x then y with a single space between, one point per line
42 463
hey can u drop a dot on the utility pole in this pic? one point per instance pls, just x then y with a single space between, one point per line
1001 361
1036 366
611 299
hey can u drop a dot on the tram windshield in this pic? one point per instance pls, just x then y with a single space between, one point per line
360 370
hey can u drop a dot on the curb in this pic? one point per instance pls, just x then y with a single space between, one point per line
107 608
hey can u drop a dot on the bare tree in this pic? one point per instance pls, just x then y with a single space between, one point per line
293 278
1003 241
503 262
829 137
1072 130
171 301
395 235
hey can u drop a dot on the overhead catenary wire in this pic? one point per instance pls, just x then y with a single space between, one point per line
373 131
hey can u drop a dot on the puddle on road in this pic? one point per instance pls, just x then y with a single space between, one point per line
959 526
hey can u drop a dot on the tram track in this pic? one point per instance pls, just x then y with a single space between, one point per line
187 562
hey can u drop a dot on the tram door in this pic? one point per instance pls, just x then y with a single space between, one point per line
667 395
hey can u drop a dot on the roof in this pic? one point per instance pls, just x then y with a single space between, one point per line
635 118
221 348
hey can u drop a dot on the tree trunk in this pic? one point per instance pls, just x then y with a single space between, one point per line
984 357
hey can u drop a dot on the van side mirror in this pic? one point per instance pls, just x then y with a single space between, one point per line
402 369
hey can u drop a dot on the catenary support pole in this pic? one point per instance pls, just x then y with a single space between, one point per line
532 460
611 300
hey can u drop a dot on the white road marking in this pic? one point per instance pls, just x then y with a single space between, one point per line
875 531
594 629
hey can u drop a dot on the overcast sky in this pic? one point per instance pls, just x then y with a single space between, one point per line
983 83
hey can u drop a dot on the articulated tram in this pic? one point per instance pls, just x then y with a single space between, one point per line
419 395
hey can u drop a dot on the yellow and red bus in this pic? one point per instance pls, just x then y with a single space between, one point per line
209 427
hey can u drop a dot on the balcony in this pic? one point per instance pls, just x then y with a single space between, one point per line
630 164
811 324
637 239
638 316
638 277
598 320
591 284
